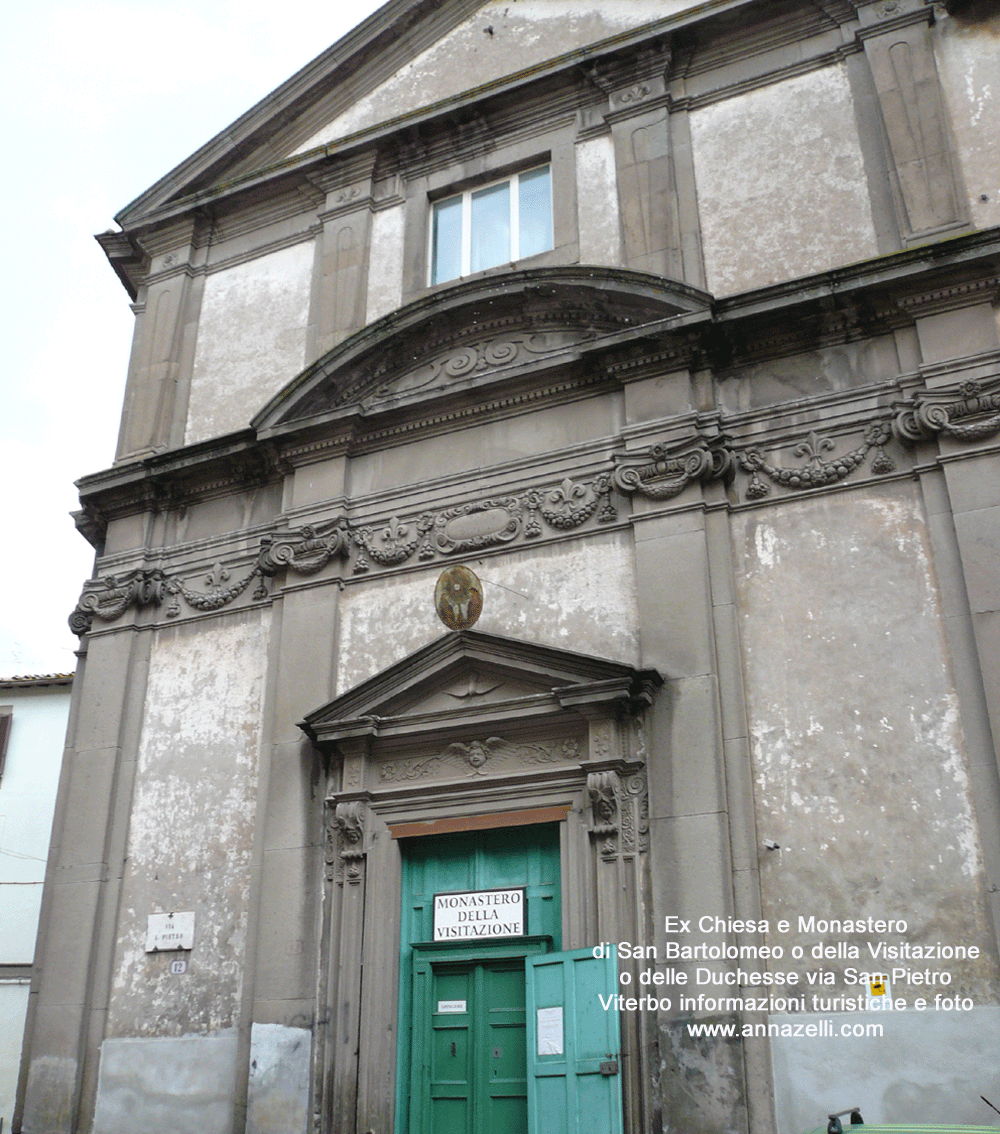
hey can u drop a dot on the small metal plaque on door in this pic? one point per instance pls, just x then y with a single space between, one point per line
609 1067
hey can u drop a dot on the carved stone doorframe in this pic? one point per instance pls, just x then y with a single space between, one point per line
545 735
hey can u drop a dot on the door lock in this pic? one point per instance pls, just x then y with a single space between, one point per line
496 1053
609 1067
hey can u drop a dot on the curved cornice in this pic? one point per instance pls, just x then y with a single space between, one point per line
473 334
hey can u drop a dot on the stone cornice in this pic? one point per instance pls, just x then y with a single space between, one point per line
486 379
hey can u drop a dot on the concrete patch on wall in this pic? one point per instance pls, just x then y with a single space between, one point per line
51 1093
251 339
926 1067
192 827
185 1085
597 202
969 65
385 266
278 1099
855 736
577 596
502 38
781 183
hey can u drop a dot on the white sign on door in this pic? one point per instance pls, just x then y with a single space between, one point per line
474 914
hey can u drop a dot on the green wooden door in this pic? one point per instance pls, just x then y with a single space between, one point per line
482 1086
574 1058
469 1069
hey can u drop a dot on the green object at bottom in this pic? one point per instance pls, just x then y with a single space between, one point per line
474 1079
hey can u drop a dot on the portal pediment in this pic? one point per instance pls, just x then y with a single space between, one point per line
466 679
476 334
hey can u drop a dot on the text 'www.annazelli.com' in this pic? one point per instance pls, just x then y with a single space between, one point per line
821 1029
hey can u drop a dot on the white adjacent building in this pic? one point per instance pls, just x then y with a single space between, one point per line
33 715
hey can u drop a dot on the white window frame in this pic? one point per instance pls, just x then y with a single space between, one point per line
514 180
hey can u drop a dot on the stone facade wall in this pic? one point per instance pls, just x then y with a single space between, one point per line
722 461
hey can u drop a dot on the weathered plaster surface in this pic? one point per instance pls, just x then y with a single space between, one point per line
479 449
858 757
781 183
385 266
501 39
183 1085
578 596
251 339
969 65
278 1101
192 827
835 367
926 1067
597 202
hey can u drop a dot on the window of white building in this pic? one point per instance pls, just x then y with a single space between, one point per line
496 224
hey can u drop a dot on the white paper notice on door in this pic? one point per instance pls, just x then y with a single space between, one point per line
550 1031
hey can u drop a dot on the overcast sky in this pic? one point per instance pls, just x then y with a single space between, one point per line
101 98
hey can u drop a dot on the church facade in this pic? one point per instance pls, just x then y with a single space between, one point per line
540 670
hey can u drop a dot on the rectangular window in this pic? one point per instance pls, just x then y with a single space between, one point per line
497 224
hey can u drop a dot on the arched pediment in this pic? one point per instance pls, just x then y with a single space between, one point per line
474 334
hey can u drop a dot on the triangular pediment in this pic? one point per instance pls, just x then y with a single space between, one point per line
410 60
468 677
476 334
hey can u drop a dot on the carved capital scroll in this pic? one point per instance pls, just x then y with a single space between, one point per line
665 471
966 413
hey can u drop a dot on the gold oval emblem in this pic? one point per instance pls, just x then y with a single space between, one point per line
458 597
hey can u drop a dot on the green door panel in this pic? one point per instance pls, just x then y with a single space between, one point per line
469 1068
482 1087
567 1091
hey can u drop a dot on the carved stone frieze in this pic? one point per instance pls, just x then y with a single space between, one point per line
392 544
109 597
966 413
218 594
487 757
303 550
496 353
481 524
571 504
476 526
665 471
816 472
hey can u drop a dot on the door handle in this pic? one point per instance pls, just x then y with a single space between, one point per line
452 1047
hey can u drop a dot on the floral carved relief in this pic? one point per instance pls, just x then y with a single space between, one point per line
303 551
487 757
817 472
